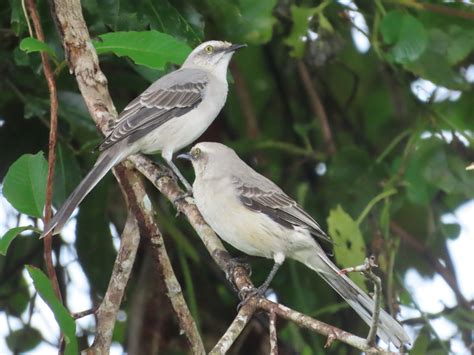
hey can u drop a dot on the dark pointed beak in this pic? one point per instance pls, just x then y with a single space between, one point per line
185 156
235 47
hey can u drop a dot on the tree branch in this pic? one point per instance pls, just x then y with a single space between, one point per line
107 312
234 330
318 108
273 334
48 73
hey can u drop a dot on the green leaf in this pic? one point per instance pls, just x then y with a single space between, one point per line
450 230
301 17
23 339
434 63
405 34
421 343
31 45
150 48
9 236
25 184
64 319
349 245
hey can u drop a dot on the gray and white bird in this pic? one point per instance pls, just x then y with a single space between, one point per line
171 114
254 215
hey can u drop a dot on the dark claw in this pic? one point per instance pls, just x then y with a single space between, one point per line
182 196
246 295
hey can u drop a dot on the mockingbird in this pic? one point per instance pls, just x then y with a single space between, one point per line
172 113
255 216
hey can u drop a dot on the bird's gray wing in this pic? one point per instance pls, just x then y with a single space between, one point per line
171 96
277 205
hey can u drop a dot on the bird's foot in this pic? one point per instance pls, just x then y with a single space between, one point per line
246 295
181 197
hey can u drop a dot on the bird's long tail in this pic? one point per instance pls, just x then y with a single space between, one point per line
104 163
389 330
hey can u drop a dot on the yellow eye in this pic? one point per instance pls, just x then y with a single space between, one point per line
209 49
196 153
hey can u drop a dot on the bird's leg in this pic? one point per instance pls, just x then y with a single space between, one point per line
260 291
180 176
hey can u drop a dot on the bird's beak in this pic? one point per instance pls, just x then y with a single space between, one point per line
185 156
235 47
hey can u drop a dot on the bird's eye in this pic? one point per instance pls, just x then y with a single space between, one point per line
209 49
196 153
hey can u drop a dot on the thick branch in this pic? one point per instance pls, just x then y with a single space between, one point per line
273 333
107 312
48 73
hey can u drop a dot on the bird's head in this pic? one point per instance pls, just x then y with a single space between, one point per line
210 158
212 55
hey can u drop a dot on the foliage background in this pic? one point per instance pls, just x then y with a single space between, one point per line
394 79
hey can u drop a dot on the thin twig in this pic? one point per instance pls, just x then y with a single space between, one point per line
435 8
273 333
48 73
317 107
366 269
85 313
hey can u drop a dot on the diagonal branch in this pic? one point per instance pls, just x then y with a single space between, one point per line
107 312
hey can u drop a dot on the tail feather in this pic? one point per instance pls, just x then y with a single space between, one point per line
389 330
105 162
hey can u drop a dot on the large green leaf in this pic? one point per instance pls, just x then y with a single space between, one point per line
150 48
349 245
25 184
405 34
66 322
9 236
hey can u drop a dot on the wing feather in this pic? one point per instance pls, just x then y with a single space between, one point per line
171 96
278 206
